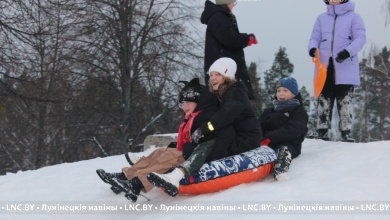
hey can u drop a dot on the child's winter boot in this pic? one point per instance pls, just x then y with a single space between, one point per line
170 181
282 163
107 178
133 188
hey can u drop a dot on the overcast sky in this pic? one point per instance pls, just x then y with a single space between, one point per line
288 23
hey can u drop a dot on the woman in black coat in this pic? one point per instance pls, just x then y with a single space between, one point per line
235 125
223 39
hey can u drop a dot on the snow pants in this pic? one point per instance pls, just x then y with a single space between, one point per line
331 92
160 161
197 158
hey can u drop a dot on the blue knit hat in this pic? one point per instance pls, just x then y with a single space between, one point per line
289 83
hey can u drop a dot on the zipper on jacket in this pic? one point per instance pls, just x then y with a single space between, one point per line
332 44
333 32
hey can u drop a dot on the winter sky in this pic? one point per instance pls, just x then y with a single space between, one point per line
288 23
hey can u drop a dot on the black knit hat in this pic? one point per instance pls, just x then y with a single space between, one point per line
191 91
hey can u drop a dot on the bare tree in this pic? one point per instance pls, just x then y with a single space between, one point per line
145 44
83 78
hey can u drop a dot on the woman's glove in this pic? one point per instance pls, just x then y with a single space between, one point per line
252 39
343 55
265 142
197 135
312 52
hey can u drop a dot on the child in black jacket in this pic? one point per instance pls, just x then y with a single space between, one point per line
284 126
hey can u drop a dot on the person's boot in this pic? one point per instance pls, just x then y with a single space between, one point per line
319 134
282 164
131 158
347 137
170 181
107 178
132 188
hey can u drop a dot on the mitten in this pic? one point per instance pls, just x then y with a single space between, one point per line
265 142
252 39
197 135
343 55
312 52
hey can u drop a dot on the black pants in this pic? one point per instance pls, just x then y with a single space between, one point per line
225 141
331 92
229 143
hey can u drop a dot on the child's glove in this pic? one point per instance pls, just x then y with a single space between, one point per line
252 39
265 142
197 135
172 145
312 52
343 55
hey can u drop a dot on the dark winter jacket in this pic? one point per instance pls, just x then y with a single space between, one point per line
236 111
208 103
223 39
285 127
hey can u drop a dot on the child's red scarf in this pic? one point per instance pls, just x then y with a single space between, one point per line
184 134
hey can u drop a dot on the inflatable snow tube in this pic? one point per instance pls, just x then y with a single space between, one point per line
230 171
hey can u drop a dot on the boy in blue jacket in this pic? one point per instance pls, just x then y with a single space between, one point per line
284 125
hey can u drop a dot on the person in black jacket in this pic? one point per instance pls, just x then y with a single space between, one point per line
235 119
223 39
284 126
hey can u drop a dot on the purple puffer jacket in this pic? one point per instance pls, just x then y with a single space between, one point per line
341 27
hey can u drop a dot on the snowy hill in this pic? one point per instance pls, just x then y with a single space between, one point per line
329 180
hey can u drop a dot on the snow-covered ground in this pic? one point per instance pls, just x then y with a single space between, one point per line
329 180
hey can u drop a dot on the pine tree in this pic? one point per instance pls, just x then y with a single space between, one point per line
372 100
281 67
305 98
257 91
311 110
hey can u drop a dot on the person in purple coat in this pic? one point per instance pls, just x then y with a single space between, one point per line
340 34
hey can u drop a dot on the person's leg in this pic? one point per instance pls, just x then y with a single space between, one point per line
161 164
225 143
171 159
282 163
325 104
197 158
344 95
171 181
144 162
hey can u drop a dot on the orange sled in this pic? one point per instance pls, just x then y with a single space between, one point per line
320 76
225 182
230 171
